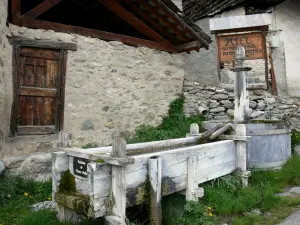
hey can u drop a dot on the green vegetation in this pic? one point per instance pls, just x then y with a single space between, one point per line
175 125
67 183
295 139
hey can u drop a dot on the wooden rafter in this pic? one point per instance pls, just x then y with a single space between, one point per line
16 9
172 15
116 8
163 20
41 8
152 20
188 47
38 24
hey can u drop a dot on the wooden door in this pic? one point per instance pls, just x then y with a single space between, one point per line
38 91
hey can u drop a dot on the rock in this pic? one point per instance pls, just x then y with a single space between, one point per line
261 105
13 162
252 104
209 88
227 104
253 98
36 167
213 105
253 212
270 100
256 114
219 97
230 113
288 101
221 91
223 118
259 92
43 205
283 106
295 190
2 167
194 91
87 125
285 194
297 150
218 109
188 83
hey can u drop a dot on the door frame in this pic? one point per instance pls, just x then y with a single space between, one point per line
63 48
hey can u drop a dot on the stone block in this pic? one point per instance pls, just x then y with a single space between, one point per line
87 125
219 97
256 114
213 105
13 162
230 113
252 104
218 109
270 100
227 104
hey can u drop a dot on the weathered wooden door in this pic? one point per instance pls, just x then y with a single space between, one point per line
38 91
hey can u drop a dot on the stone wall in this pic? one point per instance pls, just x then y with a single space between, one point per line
5 69
218 104
110 85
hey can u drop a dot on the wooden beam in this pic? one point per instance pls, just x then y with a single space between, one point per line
41 8
15 9
163 20
38 92
134 21
152 20
187 47
188 28
38 24
43 44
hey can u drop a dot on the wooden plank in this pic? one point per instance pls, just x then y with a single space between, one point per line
273 76
154 21
43 43
188 47
39 24
39 92
99 157
35 130
39 53
64 58
16 9
41 8
60 162
220 131
138 24
118 179
192 183
155 175
234 137
252 42
173 27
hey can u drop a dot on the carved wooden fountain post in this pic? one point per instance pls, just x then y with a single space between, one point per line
241 111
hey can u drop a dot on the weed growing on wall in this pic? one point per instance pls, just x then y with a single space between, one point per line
175 125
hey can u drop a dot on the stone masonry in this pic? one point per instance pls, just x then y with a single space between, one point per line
109 86
218 104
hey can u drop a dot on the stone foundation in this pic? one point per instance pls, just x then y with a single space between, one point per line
218 104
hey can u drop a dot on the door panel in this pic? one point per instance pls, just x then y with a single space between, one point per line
38 76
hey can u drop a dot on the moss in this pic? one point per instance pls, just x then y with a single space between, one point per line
91 145
100 161
67 183
78 202
110 202
266 121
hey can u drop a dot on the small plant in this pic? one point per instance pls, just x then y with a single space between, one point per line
197 214
175 125
295 139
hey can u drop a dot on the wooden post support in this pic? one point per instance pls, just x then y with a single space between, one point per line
241 100
241 155
193 192
154 171
118 183
194 130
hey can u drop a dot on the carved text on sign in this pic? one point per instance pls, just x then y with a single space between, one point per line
252 42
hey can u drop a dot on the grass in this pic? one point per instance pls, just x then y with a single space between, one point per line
295 139
175 125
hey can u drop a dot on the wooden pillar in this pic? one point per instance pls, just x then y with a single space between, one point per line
154 171
241 155
193 192
241 100
118 184
194 130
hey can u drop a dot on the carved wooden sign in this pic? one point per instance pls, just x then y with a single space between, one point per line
252 42
80 167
